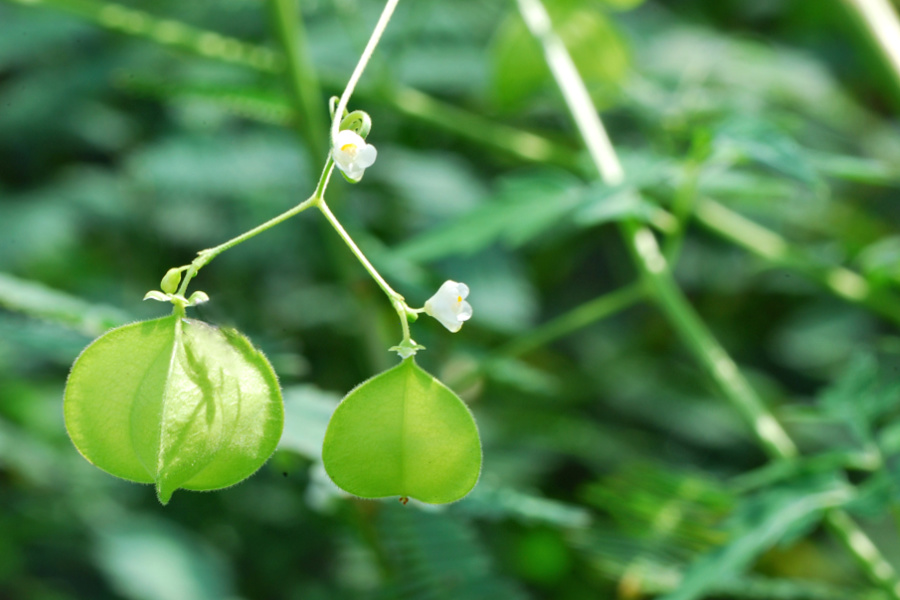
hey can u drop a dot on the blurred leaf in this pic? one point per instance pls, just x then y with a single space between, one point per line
524 207
759 141
880 261
607 204
434 556
520 375
759 523
228 165
863 398
150 559
819 337
498 502
307 410
672 512
259 104
519 68
40 301
853 168
502 296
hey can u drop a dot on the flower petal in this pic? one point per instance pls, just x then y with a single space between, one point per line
448 307
366 155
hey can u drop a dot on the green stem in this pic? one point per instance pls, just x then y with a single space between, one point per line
883 26
657 276
706 349
305 91
515 142
206 256
391 294
682 209
397 301
124 19
867 555
380 26
844 283
573 320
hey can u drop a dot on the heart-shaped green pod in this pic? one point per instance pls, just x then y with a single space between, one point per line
403 433
175 402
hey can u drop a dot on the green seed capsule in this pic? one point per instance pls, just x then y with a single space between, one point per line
174 402
170 281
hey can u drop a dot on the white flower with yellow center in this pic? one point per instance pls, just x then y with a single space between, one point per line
449 305
352 154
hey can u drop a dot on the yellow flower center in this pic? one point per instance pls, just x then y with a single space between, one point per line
459 298
349 148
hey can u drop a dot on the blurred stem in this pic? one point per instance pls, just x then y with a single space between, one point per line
699 340
167 32
867 555
768 245
658 278
579 317
883 26
515 142
305 91
683 206
643 245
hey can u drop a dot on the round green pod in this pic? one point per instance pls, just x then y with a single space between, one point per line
175 402
403 433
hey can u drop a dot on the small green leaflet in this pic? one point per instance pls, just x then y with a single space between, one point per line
403 433
175 402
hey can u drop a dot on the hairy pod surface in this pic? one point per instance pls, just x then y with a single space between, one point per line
174 402
403 433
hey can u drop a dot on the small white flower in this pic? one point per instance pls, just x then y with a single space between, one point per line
449 305
352 154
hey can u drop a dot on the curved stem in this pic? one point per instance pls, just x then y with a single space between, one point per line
206 256
391 294
380 26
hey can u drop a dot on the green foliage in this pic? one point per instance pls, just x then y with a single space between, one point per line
432 556
760 145
174 402
519 69
403 433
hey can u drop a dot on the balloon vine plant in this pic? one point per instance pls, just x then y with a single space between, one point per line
179 403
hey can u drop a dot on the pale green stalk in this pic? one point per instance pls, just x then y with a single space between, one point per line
386 288
204 257
380 26
655 272
883 26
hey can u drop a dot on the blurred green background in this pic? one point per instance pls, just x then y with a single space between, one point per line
764 140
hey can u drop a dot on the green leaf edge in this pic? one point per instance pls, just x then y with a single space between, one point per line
402 364
268 373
